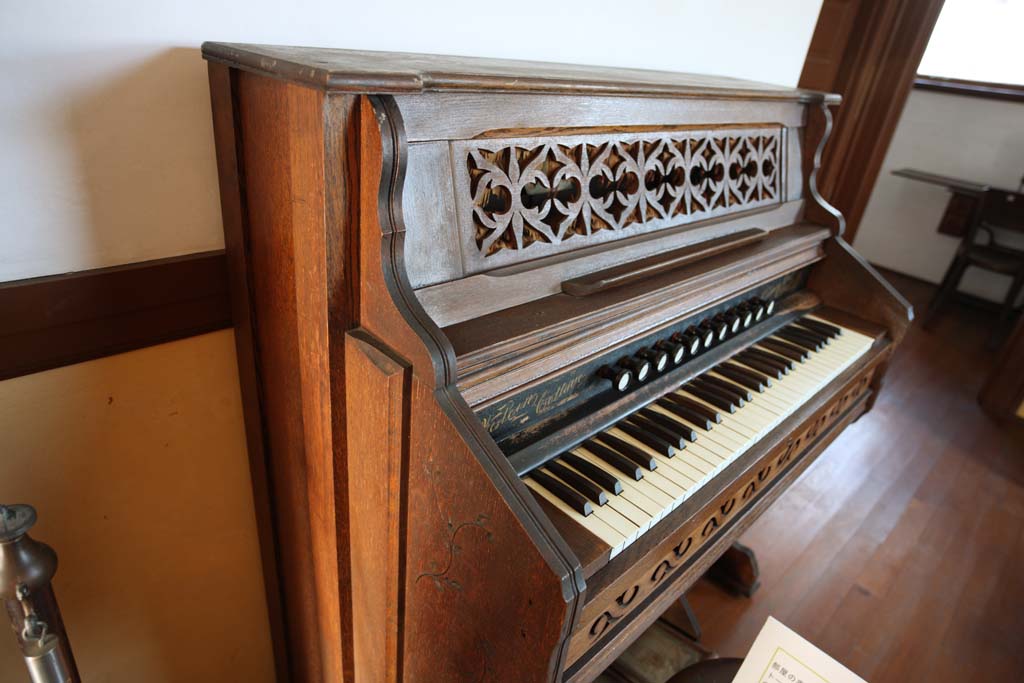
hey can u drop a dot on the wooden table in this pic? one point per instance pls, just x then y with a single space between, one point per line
964 199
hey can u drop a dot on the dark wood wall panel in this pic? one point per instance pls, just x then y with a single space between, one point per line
48 322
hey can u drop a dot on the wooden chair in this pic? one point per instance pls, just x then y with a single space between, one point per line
997 210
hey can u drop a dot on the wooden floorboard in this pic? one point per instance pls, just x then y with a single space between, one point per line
901 550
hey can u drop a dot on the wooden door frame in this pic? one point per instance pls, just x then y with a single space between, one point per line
868 52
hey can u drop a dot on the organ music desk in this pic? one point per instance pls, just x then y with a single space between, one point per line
523 347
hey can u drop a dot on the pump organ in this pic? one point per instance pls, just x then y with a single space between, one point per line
523 347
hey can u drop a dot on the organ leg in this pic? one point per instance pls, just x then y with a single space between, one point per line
736 570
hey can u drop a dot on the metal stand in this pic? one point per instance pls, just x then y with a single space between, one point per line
26 570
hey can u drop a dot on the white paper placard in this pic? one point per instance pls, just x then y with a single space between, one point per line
779 655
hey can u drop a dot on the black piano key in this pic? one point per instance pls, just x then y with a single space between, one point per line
686 402
820 326
733 397
714 398
754 375
749 381
670 424
778 365
770 357
740 392
652 441
619 462
652 427
628 450
563 492
764 368
691 416
798 339
821 337
794 353
607 480
589 489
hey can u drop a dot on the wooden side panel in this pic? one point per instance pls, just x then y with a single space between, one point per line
489 592
234 215
482 604
283 150
844 280
377 395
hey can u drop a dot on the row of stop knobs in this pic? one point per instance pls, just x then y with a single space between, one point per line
682 346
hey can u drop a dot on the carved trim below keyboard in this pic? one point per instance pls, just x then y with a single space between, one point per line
626 595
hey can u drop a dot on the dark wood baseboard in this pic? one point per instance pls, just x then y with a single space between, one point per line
1009 92
48 322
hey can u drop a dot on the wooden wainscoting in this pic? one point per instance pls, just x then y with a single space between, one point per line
48 322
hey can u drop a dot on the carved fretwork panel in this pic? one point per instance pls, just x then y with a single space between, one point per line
534 195
624 597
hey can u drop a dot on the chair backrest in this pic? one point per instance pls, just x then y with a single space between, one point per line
1002 209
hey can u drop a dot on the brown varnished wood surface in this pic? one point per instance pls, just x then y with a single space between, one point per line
868 52
282 147
359 71
593 283
377 398
512 348
243 310
57 320
490 590
899 551
417 522
845 281
341 216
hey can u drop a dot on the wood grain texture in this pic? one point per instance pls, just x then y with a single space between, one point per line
404 545
283 241
868 52
499 352
377 393
458 546
601 280
57 320
224 105
899 551
1003 392
396 72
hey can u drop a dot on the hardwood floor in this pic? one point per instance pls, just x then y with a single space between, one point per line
901 550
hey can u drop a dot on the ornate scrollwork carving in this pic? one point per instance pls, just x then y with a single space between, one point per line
529 190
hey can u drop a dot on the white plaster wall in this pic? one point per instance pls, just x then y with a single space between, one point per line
964 137
104 110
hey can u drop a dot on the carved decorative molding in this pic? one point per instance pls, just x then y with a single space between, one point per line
599 619
518 192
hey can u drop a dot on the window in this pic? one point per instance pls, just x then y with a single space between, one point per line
977 47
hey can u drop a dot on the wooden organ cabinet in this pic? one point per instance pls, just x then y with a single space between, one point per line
523 347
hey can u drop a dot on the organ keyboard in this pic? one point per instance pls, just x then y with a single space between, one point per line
626 478
523 347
